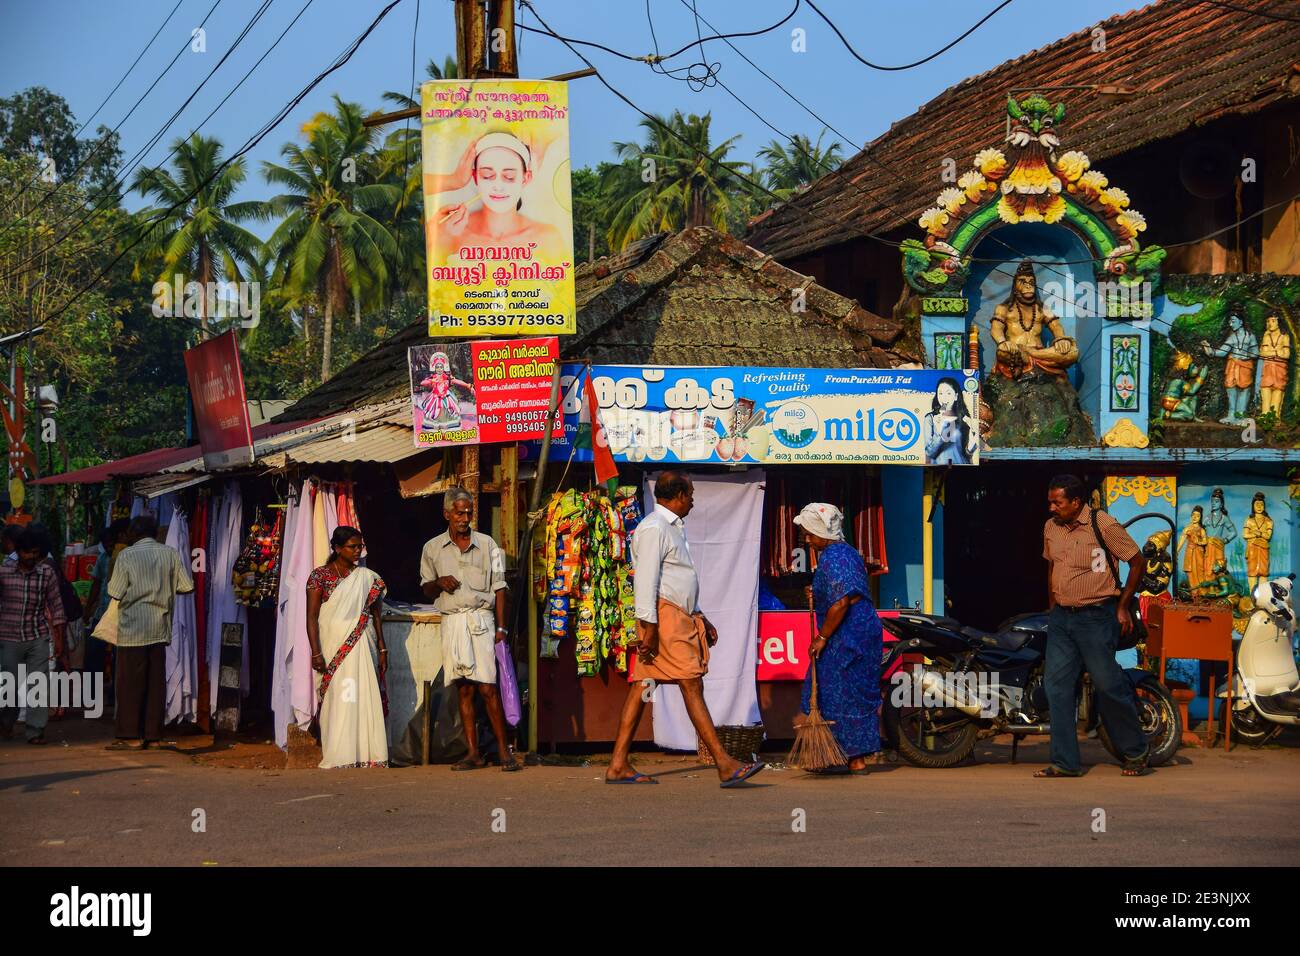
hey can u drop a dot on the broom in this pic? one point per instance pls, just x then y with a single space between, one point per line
814 744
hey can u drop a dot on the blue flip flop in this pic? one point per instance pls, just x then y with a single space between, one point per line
637 777
743 773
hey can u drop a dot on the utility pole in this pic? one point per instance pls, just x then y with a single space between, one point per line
485 39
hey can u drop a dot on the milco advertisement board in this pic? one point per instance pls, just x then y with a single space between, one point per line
730 415
497 207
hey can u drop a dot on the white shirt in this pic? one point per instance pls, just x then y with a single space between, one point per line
662 564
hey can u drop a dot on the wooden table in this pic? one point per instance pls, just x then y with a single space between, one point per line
1197 631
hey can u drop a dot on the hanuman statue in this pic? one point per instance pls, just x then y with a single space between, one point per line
1017 328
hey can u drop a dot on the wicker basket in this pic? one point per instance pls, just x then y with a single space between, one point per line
741 743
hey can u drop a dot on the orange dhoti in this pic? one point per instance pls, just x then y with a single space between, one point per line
1238 373
1274 374
683 648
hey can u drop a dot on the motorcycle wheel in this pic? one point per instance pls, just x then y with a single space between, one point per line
1160 720
1247 726
931 737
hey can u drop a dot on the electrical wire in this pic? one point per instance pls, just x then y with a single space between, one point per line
104 102
127 228
906 66
248 146
94 152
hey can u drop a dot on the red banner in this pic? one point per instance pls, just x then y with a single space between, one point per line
481 392
783 641
220 407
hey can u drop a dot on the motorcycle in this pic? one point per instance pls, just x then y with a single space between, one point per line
1266 692
963 684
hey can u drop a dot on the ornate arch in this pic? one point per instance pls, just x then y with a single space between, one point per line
1034 184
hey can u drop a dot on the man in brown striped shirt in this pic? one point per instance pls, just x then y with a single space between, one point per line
1088 615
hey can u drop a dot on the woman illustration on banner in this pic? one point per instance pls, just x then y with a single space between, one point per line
951 433
1220 531
501 166
847 648
344 614
1194 543
441 410
1257 532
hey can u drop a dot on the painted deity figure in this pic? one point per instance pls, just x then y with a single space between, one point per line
1275 351
1238 350
1182 395
441 410
1257 532
1193 543
1017 327
1219 530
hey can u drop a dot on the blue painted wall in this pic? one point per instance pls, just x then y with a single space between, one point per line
901 488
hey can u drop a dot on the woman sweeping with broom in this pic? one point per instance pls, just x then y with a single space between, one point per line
846 651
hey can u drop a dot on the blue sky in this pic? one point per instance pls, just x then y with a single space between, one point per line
80 49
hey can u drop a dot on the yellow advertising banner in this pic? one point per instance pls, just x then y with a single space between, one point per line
498 212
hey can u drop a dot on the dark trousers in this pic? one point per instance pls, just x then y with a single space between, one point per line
141 691
1080 639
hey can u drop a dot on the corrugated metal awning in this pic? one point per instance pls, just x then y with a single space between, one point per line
385 442
160 485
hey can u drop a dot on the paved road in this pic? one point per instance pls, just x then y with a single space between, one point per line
72 803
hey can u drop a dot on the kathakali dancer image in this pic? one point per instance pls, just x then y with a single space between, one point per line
1257 532
1194 542
441 410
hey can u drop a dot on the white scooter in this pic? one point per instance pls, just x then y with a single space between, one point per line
1266 693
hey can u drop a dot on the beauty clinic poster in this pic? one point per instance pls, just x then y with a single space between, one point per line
497 207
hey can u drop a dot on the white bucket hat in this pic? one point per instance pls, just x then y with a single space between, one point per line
823 520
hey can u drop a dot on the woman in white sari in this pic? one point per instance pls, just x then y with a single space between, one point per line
344 626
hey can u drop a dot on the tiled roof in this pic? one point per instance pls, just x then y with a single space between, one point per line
697 297
1190 62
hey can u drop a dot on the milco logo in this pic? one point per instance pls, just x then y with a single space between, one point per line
894 428
74 909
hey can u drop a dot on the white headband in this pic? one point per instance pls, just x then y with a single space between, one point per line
823 520
505 141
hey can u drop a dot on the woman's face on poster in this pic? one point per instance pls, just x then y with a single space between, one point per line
947 396
500 178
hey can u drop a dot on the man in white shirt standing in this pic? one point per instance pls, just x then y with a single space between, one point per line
673 636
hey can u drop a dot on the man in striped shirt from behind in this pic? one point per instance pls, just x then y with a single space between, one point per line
146 578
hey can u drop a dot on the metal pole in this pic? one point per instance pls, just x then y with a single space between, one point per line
534 503
927 544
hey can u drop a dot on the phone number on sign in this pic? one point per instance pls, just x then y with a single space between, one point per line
524 320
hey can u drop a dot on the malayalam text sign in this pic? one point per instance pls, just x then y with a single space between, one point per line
497 207
733 415
472 393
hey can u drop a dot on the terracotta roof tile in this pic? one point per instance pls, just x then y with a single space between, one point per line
1190 62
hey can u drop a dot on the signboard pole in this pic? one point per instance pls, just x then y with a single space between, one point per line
927 542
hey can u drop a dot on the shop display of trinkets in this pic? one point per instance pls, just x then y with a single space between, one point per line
583 573
256 575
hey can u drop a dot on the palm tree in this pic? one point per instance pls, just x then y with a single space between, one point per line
448 70
792 167
195 235
674 180
332 243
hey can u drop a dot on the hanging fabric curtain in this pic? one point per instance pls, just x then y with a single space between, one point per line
292 694
182 663
224 543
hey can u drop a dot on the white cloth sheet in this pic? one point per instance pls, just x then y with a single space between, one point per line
225 539
182 652
723 533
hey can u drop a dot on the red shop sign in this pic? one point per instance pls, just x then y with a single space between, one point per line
220 408
783 641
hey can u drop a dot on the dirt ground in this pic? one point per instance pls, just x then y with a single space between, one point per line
204 804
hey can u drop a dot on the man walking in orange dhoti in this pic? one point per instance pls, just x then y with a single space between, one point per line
674 637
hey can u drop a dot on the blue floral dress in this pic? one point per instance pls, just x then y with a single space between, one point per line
848 671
